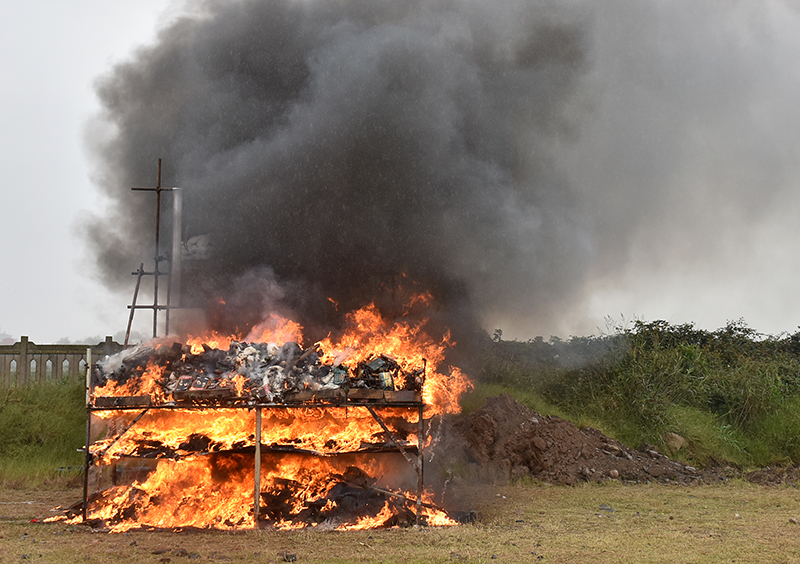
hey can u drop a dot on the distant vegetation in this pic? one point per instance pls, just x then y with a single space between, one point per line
732 394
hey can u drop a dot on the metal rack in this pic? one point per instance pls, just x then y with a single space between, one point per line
414 456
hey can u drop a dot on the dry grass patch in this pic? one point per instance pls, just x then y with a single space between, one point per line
736 522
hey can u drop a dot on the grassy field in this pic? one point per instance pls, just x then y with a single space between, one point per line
42 426
735 522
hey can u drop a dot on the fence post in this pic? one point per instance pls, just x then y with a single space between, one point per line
23 368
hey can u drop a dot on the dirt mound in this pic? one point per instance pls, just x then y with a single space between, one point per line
775 476
520 442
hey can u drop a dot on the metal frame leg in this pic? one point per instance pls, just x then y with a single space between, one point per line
417 464
257 477
420 464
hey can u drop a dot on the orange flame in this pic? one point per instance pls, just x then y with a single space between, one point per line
313 429
276 329
199 481
216 491
214 340
147 384
368 335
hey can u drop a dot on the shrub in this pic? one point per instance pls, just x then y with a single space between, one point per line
731 391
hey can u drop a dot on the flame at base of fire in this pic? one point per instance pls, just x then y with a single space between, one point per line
297 491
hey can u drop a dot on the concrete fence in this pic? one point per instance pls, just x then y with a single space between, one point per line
25 362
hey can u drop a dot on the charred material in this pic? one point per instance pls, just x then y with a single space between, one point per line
254 372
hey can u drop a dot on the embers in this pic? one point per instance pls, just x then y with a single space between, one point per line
212 490
341 500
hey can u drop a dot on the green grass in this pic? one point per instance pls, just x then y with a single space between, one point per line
41 427
778 435
477 397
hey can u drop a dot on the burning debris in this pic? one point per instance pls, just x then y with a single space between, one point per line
297 491
230 433
372 360
251 372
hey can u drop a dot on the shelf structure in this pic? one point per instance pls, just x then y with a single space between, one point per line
413 455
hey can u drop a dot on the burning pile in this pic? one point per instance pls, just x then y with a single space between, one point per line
180 443
252 372
372 360
297 491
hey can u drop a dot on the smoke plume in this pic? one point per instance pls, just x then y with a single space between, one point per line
508 157
351 147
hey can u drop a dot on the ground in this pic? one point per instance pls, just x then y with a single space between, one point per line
579 496
608 522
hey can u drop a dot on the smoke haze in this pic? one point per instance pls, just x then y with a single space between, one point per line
516 159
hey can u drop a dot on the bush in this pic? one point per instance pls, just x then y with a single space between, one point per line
729 392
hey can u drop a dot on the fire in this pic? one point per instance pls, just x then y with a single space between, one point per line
147 385
216 491
368 335
203 446
327 431
214 340
382 517
195 492
276 329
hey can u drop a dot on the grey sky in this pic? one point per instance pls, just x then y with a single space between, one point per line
681 150
52 52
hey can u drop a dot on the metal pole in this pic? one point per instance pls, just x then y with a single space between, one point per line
87 458
118 437
169 301
140 272
392 437
257 479
174 280
156 272
420 461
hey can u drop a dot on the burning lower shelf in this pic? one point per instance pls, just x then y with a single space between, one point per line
338 466
206 480
297 491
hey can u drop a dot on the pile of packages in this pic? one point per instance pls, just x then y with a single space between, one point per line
263 372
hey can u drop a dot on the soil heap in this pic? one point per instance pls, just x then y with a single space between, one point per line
520 442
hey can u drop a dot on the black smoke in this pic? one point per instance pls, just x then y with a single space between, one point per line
531 164
352 150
